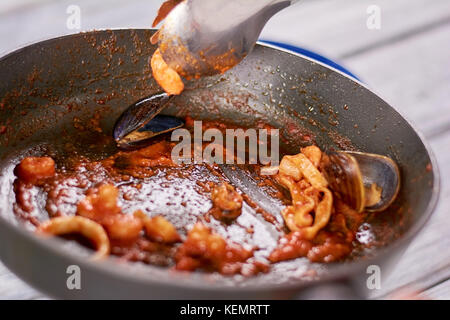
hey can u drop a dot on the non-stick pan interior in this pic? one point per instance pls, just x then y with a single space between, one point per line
51 92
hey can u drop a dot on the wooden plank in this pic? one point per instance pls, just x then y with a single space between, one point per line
412 75
47 20
7 7
439 292
338 28
334 28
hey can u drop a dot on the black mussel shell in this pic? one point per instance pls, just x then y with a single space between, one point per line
364 181
344 177
138 114
381 176
141 121
158 125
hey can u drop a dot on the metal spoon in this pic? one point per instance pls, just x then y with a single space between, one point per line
204 37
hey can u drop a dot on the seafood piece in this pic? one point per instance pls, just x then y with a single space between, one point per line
158 228
309 193
33 169
158 125
166 77
141 121
123 228
325 247
311 200
290 246
164 10
100 203
204 249
299 166
364 181
322 214
227 202
76 224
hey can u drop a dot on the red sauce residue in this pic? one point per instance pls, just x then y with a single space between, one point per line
329 245
76 185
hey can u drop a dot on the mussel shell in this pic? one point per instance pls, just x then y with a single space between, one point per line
382 171
345 178
138 114
158 125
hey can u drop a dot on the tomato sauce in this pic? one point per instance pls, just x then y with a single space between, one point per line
100 190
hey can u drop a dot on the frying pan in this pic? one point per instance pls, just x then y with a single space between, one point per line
49 91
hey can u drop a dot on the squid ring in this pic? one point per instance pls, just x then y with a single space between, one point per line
322 215
76 224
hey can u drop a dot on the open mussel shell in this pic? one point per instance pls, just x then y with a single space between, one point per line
158 125
382 172
364 181
138 114
141 121
344 177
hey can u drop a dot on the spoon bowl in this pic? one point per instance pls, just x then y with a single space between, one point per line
203 37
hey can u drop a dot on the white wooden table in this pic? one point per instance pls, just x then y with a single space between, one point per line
407 61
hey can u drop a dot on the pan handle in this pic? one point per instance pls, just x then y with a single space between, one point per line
334 290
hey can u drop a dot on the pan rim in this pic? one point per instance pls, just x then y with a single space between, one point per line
339 271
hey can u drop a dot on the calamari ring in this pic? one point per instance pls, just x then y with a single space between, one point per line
304 167
76 224
313 153
322 215
297 215
305 182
